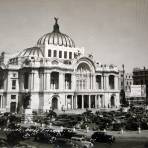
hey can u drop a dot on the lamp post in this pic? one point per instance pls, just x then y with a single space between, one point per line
123 76
145 86
122 93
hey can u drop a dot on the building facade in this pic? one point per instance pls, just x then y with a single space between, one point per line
126 80
55 74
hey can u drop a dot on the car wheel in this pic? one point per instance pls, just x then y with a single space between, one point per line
52 140
37 138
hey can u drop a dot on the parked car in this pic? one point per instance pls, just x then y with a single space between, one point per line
14 137
103 137
81 142
84 137
3 143
67 133
44 136
63 143
23 145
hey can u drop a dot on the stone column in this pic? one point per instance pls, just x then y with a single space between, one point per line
92 83
29 81
98 101
89 101
116 83
48 81
72 102
36 81
66 102
76 101
45 81
82 81
88 81
107 82
102 82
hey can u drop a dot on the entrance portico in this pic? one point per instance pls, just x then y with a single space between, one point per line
87 101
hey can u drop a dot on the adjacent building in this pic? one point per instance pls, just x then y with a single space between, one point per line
125 82
140 77
56 74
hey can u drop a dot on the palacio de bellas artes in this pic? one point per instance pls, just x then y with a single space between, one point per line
56 74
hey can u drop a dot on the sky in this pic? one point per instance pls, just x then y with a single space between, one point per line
114 31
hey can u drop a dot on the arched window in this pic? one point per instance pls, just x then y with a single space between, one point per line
54 103
84 77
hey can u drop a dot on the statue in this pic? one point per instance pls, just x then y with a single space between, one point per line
56 19
56 26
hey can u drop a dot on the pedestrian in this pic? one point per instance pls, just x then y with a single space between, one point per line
87 129
104 130
139 130
122 131
74 129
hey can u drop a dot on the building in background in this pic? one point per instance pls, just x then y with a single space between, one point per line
55 74
140 77
125 82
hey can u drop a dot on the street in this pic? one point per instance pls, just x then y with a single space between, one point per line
120 143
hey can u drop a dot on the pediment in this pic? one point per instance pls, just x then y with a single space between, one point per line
55 62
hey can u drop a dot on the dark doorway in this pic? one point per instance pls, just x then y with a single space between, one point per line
54 103
92 101
112 101
13 107
86 101
79 101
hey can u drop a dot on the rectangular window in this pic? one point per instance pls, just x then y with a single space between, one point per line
13 97
70 55
13 84
26 80
75 55
14 74
55 53
1 83
65 54
60 54
49 53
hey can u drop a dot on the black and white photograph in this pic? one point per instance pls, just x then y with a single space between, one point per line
73 73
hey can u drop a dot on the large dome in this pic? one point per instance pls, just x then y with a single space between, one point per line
33 51
56 38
